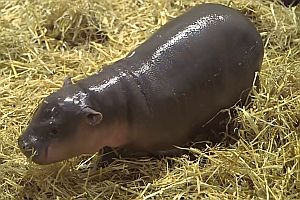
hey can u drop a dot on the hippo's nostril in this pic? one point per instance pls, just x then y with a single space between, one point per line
23 145
20 143
26 147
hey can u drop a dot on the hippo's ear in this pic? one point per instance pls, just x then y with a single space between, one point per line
67 81
92 117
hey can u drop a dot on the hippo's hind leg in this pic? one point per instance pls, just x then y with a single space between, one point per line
220 129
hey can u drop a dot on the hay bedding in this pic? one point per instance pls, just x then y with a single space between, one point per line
43 41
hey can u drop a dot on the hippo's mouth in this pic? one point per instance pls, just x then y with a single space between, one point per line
39 155
46 152
35 151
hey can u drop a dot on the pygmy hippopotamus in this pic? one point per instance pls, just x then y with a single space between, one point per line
154 99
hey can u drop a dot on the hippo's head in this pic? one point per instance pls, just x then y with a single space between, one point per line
60 125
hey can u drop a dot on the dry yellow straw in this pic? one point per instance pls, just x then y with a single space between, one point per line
43 41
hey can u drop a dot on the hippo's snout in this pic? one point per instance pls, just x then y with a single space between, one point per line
31 147
25 146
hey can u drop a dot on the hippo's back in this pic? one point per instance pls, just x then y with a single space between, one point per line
191 68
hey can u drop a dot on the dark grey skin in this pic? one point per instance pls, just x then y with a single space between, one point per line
156 97
291 2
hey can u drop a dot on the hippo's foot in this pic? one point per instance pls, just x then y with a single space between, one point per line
108 155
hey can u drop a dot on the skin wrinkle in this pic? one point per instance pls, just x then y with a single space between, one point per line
136 80
89 94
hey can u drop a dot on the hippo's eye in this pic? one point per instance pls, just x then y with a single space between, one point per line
53 131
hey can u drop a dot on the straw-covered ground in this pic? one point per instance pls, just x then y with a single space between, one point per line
43 41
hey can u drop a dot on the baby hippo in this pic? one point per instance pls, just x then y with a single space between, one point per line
154 99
